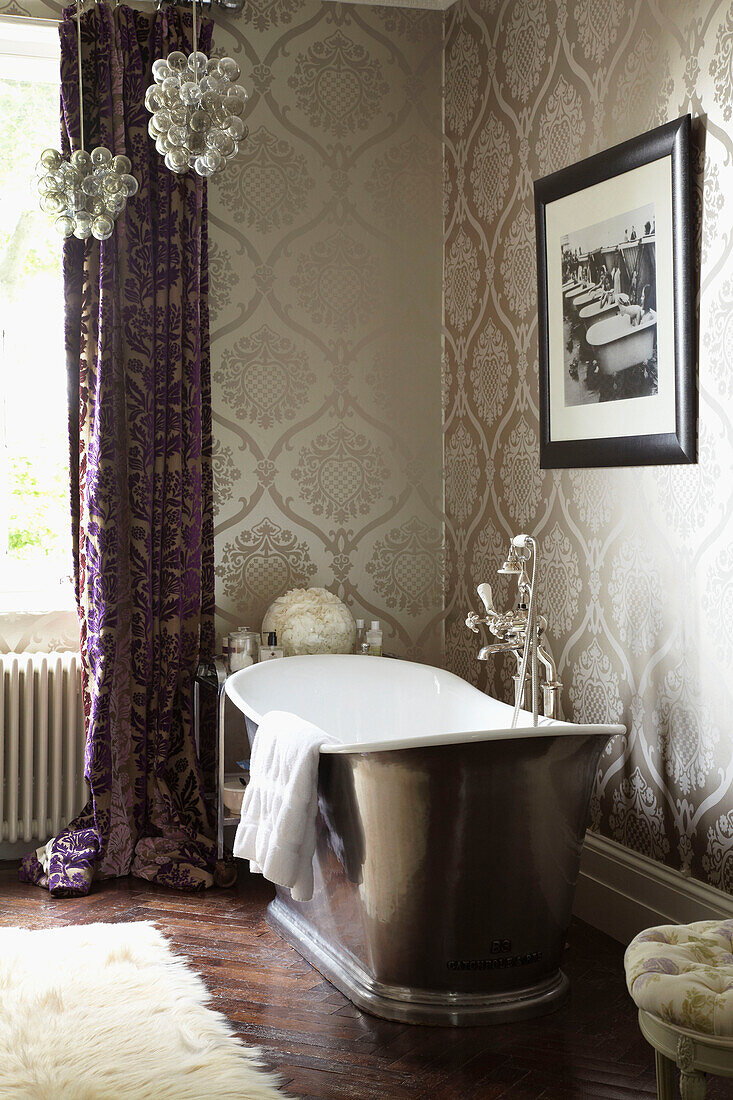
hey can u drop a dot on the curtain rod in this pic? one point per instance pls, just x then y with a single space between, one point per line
233 7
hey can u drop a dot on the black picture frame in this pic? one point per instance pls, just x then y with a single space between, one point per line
672 140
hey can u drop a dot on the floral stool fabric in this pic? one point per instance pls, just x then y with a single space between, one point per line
683 974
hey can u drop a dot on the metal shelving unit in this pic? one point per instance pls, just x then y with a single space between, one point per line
212 677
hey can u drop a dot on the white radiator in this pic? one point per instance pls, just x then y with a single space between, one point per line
41 744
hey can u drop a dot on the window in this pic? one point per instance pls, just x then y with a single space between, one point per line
35 539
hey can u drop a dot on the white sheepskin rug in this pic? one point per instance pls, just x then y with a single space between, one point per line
103 1011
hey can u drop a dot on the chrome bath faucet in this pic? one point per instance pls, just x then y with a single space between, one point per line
520 631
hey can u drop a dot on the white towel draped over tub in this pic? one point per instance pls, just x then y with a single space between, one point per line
277 830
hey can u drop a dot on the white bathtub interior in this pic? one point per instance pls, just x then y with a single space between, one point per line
373 703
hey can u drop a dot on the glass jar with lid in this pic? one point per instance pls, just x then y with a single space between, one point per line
243 649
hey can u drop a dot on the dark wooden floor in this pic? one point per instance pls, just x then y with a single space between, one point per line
325 1048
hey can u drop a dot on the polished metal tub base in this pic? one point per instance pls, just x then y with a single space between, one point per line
413 1006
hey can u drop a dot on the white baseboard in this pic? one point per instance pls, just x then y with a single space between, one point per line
620 892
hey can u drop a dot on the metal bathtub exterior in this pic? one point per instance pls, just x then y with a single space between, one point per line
444 877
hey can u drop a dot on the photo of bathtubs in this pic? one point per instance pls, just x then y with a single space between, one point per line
609 309
616 305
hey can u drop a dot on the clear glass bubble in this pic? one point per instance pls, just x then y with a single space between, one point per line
53 202
81 160
236 129
239 91
214 137
160 70
202 168
211 64
204 85
210 101
190 93
112 184
64 225
171 85
102 227
154 99
162 121
177 135
51 159
75 200
217 82
72 176
198 62
114 204
90 185
177 61
226 145
229 69
46 183
179 115
215 160
130 185
195 142
200 122
101 156
83 226
162 145
153 129
179 160
234 106
121 164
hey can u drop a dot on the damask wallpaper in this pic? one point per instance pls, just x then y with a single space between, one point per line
637 564
325 261
326 307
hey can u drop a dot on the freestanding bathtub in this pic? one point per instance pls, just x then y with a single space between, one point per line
448 844
618 344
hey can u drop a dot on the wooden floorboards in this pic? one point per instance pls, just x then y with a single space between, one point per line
325 1048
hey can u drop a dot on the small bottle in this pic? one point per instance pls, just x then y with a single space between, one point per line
360 636
271 651
374 639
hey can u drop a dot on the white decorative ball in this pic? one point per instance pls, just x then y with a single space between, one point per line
311 620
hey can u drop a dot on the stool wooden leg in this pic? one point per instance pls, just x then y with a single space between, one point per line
692 1082
666 1083
692 1085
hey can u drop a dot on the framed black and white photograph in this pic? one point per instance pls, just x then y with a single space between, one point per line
617 307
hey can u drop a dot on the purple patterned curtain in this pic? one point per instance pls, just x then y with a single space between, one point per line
140 430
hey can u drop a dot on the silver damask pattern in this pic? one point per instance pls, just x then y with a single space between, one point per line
518 267
336 282
341 474
264 377
407 567
267 186
403 181
637 575
338 84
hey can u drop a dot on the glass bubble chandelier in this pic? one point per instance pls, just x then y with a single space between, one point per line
196 106
87 192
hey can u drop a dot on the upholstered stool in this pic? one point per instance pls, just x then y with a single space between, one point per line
681 978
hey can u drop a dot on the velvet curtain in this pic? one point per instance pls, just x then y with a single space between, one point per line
141 494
